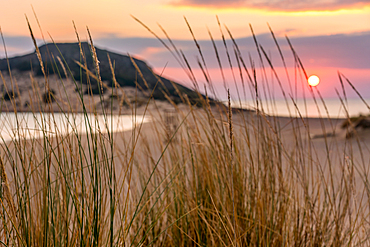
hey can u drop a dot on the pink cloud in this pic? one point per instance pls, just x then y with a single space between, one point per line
328 77
278 5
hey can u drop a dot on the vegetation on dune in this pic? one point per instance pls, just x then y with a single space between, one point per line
209 176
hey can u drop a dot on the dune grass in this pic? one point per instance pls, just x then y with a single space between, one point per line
196 176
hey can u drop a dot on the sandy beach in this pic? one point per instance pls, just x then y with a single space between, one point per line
310 159
321 139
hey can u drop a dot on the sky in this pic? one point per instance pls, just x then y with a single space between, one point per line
329 36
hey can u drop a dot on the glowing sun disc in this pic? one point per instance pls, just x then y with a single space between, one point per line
313 80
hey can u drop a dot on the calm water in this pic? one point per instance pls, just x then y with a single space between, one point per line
29 125
334 107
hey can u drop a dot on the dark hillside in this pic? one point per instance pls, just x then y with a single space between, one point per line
125 71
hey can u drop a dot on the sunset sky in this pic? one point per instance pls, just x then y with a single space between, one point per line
328 35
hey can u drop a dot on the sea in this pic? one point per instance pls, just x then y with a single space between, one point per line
333 108
35 125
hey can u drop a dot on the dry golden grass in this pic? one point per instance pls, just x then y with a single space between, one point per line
194 176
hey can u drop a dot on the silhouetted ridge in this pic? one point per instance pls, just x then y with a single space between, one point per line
125 71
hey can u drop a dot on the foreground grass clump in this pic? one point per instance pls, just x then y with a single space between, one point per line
194 176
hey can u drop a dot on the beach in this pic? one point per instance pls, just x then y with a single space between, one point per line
307 164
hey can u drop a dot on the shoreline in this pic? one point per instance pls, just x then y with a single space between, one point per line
150 152
159 112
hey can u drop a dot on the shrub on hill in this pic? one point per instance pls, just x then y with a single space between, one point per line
10 95
49 97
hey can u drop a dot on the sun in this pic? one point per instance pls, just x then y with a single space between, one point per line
313 80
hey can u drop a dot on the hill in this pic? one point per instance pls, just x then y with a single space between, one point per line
126 73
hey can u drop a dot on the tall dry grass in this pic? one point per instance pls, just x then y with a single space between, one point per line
197 176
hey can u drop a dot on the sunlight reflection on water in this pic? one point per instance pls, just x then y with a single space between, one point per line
309 108
30 125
